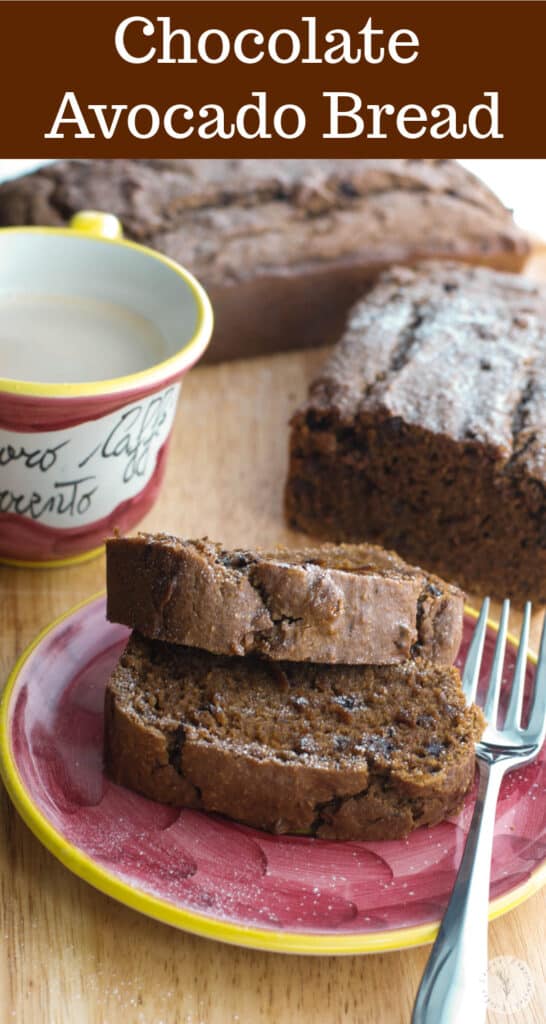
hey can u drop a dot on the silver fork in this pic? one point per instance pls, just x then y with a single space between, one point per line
454 986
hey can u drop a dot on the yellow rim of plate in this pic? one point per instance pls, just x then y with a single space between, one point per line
177 363
55 563
189 920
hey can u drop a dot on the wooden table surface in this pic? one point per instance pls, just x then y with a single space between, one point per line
74 956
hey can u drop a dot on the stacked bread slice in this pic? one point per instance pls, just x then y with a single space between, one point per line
301 691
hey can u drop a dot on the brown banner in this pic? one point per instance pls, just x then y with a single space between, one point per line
272 79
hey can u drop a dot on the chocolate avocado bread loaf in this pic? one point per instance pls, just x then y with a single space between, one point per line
332 751
426 429
283 247
352 603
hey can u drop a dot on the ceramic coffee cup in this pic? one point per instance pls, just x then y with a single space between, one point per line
96 333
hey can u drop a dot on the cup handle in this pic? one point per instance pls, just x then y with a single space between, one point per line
93 222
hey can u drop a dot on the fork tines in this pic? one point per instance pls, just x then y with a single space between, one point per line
536 725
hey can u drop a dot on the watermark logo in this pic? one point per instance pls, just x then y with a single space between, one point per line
509 985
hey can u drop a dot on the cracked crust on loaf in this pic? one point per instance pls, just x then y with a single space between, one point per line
356 604
426 429
283 247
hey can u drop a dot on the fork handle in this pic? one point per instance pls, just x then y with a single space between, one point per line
454 986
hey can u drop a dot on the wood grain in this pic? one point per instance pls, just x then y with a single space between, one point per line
73 956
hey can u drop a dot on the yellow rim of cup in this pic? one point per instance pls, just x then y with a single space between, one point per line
188 920
55 563
106 229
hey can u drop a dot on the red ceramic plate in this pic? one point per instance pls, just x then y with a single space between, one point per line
208 875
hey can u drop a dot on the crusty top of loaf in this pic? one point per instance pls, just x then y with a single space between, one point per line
226 219
455 350
333 603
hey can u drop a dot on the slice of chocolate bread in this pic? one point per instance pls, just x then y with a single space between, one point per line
355 604
283 247
332 751
426 430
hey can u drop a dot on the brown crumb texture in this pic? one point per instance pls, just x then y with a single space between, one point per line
342 752
354 604
426 430
283 247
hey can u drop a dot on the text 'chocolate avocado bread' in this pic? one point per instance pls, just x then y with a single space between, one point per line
426 429
333 751
353 604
